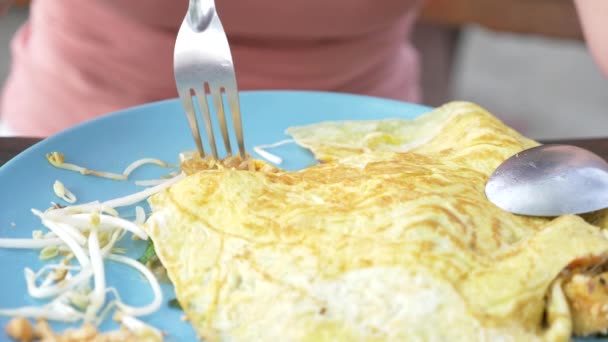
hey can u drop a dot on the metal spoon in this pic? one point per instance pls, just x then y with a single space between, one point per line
550 180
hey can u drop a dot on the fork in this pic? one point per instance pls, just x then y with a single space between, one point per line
203 63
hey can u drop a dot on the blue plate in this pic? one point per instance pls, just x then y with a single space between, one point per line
156 130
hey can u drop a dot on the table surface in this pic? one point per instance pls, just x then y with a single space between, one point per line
552 18
10 147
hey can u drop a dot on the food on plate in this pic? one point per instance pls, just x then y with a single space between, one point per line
390 239
21 329
64 193
58 160
191 163
72 284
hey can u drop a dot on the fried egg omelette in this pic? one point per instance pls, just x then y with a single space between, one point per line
391 238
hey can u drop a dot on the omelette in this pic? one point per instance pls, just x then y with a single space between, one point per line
390 238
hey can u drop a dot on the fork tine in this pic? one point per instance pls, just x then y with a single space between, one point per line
235 110
192 121
218 101
204 108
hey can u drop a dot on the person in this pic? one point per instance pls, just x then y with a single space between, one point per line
74 60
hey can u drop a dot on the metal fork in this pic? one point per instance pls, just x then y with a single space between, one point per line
202 60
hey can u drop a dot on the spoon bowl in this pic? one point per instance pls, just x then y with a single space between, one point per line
550 180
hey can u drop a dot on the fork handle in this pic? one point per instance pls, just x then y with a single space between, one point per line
200 14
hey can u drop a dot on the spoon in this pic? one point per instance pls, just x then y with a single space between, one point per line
550 180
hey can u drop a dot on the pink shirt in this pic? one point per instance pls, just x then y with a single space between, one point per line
75 60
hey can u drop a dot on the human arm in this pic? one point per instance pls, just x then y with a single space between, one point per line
593 14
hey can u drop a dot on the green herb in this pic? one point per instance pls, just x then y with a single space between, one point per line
151 261
148 254
174 303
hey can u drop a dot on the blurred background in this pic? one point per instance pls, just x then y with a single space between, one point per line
524 60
